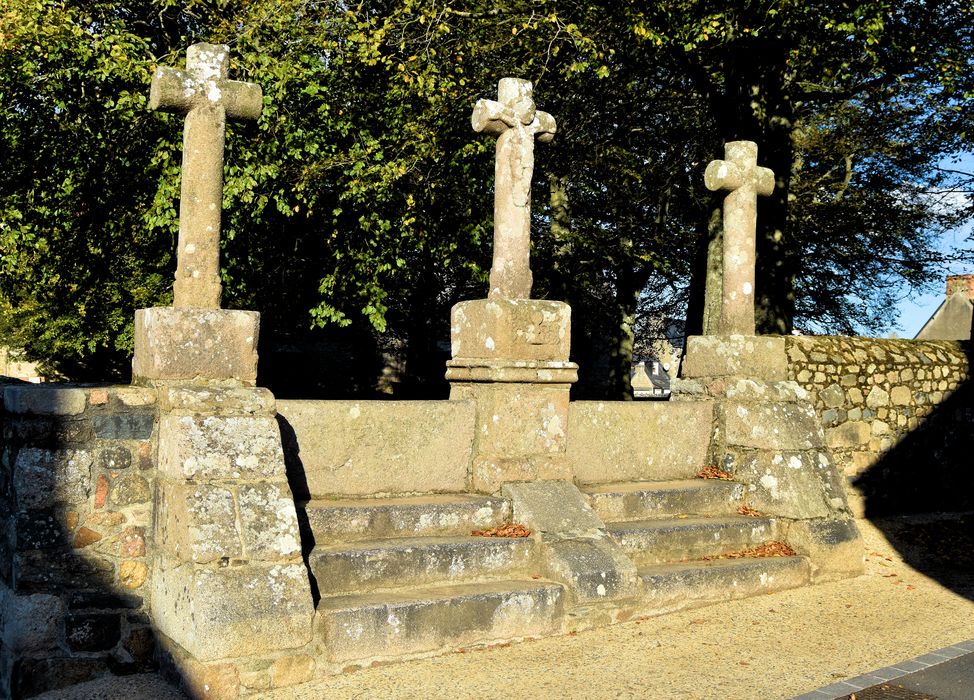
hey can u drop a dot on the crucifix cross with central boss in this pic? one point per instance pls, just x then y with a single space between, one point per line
203 93
516 122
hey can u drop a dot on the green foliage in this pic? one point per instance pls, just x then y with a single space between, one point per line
362 199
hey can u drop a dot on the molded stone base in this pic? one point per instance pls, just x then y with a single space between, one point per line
521 431
510 357
195 344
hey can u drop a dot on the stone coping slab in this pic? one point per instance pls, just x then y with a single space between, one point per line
363 448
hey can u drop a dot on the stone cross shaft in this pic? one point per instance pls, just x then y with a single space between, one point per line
203 93
740 175
516 123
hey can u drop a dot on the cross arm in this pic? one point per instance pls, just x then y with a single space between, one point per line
242 100
544 126
177 91
492 117
172 90
725 175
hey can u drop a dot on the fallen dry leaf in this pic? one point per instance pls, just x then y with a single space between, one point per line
508 530
749 511
714 473
769 549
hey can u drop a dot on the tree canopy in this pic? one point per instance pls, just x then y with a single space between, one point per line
362 199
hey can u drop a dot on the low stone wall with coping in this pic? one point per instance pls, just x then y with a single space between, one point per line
77 480
898 417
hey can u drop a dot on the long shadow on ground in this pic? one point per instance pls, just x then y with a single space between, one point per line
929 475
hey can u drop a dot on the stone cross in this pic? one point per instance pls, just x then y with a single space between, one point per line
740 175
515 121
203 93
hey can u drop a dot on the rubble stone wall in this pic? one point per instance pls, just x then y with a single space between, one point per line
898 417
77 479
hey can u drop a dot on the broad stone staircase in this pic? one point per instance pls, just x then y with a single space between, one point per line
400 577
403 577
676 530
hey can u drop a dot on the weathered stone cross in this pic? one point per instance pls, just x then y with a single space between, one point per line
515 121
203 93
740 175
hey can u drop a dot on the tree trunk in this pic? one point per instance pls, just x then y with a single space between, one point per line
757 108
703 307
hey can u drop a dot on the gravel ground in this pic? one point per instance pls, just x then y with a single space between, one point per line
775 646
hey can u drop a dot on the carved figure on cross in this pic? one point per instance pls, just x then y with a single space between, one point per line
741 177
203 93
516 122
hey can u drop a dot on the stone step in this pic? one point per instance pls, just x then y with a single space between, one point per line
360 567
670 587
659 499
680 539
417 516
365 628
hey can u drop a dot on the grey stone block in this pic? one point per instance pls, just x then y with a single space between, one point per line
638 440
30 623
760 357
89 632
186 344
44 477
643 500
101 600
833 545
40 571
202 608
368 566
198 522
40 529
44 400
791 484
592 569
772 426
359 448
124 426
756 390
658 541
427 516
220 447
268 522
364 628
222 400
552 508
670 587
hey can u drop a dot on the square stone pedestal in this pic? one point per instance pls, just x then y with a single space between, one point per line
185 344
753 356
511 358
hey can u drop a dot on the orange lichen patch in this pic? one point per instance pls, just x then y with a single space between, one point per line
769 549
749 511
714 473
508 530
